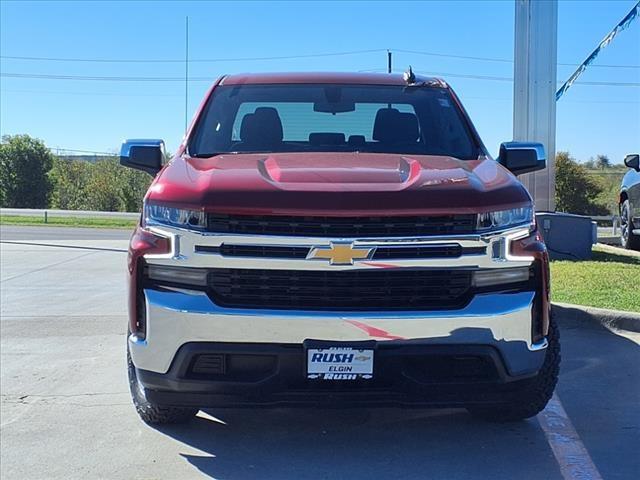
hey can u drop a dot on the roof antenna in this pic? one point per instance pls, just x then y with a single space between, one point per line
409 76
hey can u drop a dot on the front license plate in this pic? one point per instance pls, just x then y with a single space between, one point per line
339 363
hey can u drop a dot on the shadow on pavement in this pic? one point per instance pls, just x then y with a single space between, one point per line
383 443
599 387
600 390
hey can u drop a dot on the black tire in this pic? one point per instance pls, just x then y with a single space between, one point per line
534 394
151 413
627 239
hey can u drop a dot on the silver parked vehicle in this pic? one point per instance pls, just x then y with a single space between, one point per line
629 204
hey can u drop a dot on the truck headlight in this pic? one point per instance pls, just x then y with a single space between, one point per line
176 217
505 218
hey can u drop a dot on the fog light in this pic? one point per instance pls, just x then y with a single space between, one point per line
187 276
498 276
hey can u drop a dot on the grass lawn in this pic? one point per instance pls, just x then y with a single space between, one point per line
609 280
94 222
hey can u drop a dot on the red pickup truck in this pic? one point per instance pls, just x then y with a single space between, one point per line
344 239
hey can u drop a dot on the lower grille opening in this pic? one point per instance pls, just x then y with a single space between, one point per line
232 367
425 369
391 368
208 364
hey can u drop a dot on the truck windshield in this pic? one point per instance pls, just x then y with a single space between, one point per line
332 118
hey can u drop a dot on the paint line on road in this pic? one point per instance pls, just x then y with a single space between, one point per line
572 456
78 247
46 267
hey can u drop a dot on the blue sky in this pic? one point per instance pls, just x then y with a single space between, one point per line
96 115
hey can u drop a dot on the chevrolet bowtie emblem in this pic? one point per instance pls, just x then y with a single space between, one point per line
341 253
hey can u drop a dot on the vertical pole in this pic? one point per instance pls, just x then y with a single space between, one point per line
186 74
534 104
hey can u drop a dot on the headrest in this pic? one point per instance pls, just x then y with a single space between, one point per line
322 138
357 140
262 127
391 126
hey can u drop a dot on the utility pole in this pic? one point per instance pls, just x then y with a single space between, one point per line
388 61
186 75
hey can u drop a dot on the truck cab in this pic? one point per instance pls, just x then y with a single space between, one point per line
347 239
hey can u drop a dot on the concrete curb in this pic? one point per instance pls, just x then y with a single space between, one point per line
617 250
612 319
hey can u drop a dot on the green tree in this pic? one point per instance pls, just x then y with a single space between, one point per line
609 180
576 192
602 162
135 185
69 180
24 166
105 187
112 187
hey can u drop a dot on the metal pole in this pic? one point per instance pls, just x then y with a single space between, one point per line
388 61
534 89
186 74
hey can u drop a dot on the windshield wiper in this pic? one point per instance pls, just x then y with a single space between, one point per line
206 155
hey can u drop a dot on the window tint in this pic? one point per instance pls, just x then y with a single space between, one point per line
298 118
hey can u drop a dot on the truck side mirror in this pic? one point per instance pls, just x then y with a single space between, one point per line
145 155
632 160
522 157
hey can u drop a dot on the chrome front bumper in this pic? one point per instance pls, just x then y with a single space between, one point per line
174 318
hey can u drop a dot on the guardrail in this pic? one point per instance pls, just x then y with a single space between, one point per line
46 213
614 219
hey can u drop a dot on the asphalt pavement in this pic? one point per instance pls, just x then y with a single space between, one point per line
15 232
65 411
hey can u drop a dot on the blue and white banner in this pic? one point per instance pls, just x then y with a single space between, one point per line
624 23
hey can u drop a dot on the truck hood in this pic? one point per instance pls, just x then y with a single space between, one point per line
339 184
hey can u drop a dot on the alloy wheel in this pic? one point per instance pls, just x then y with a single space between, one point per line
624 223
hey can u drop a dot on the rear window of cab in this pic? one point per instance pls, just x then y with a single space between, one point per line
341 118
